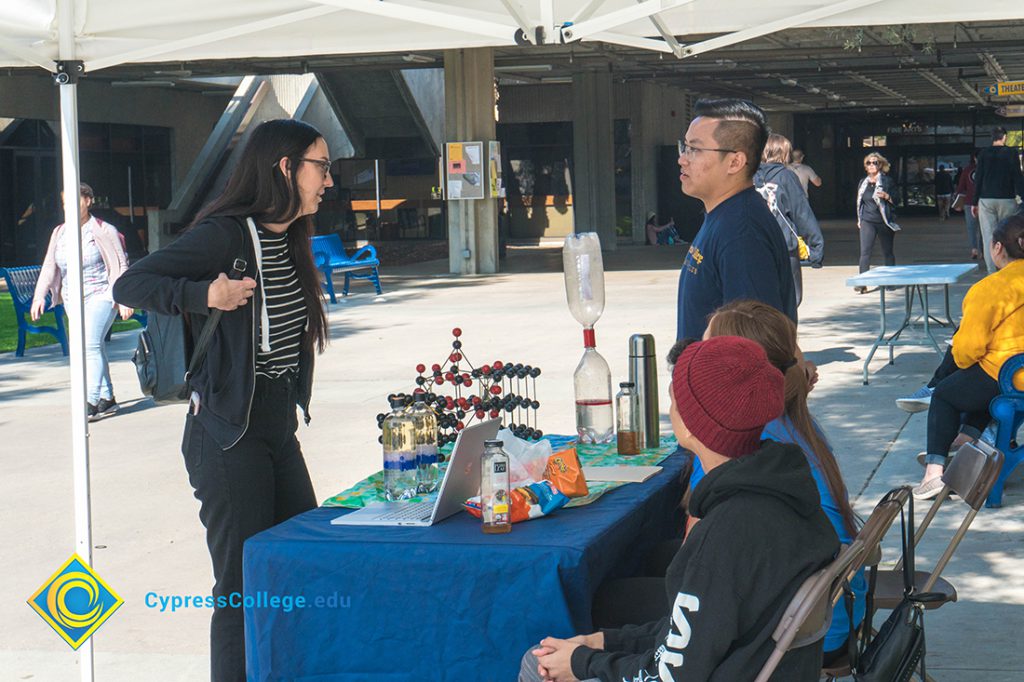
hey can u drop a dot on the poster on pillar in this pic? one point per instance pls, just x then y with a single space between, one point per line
494 181
464 170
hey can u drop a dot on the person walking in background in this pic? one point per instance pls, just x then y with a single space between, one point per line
875 212
943 191
804 172
779 186
997 181
103 261
243 459
739 251
963 196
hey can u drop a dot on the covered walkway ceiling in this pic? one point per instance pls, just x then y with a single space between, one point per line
801 69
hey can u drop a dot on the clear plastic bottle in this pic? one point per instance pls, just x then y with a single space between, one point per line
584 277
399 441
495 504
425 427
592 383
627 420
583 267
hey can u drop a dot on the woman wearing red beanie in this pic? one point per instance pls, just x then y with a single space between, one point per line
762 532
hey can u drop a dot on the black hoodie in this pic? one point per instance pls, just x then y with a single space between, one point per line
176 280
761 534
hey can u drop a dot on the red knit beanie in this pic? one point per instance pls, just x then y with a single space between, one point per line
726 391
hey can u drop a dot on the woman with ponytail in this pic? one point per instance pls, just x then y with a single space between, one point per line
776 333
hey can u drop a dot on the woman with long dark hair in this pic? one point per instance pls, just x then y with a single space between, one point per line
243 459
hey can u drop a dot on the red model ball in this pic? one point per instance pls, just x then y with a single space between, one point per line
435 367
494 414
456 332
421 368
498 364
480 414
496 389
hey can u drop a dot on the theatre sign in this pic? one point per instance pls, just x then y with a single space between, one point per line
1005 89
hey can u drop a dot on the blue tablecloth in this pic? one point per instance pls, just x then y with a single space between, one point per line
445 602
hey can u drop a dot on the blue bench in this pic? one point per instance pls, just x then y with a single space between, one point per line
330 257
1008 411
21 282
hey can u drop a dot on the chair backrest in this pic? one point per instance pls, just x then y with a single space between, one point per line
882 517
329 244
809 613
1007 372
21 282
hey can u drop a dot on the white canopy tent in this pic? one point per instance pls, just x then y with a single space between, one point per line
74 37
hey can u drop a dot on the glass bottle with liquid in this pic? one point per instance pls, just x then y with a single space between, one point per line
425 429
495 503
627 420
399 439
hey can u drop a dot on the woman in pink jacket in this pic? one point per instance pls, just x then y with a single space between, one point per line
103 261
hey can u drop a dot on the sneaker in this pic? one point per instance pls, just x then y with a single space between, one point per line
988 436
928 489
105 408
861 290
918 401
91 412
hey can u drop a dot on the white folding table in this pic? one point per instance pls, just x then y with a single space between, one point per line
915 280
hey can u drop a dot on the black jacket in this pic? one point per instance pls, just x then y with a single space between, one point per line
761 534
175 281
998 174
787 200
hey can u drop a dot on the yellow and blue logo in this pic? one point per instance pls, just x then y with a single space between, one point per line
75 601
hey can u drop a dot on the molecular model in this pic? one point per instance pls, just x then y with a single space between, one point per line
476 393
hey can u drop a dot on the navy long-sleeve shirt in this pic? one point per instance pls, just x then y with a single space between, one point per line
738 253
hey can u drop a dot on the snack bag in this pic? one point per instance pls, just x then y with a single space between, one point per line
565 472
528 501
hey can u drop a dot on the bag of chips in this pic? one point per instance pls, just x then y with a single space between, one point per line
565 472
528 501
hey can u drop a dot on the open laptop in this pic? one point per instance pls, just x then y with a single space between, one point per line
461 481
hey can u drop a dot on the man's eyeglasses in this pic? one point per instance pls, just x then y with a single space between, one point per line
689 151
325 166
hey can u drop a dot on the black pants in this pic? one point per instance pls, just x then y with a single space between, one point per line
258 483
798 275
961 397
868 232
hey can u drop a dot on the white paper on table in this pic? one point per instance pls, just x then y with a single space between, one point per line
473 154
620 473
455 189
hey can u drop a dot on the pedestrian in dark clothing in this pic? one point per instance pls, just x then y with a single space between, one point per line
779 186
943 191
997 181
876 196
739 251
243 459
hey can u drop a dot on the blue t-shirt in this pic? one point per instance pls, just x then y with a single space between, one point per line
738 253
782 430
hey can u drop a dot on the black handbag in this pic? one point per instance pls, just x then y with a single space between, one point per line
898 650
161 357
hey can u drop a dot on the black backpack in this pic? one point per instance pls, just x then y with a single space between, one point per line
161 356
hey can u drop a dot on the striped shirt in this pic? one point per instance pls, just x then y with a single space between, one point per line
285 306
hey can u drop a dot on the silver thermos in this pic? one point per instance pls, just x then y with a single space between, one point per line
643 372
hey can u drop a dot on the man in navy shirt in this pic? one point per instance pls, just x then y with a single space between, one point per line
739 251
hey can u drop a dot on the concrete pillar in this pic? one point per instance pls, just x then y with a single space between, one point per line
593 155
469 117
644 113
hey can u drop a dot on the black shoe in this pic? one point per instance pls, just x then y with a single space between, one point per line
91 412
105 408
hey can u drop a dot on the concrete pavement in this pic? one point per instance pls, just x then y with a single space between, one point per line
146 531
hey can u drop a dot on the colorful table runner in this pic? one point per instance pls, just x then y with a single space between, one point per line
369 489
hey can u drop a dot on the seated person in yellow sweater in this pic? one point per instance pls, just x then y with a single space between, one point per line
991 331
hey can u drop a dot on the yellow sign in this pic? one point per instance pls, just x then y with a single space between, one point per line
1008 88
75 601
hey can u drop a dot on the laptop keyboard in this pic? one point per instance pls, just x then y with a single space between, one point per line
414 511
